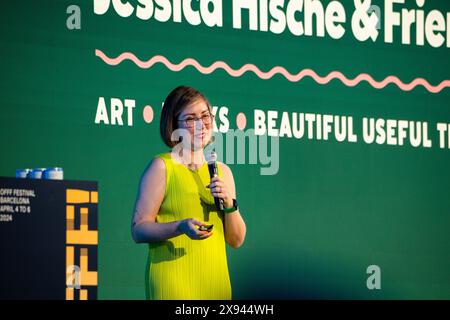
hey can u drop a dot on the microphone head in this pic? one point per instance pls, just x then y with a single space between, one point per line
211 157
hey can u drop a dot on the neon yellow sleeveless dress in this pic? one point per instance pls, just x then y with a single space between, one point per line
181 268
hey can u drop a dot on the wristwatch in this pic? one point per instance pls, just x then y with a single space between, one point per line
232 209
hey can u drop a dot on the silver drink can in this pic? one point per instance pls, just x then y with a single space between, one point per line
53 174
22 173
36 173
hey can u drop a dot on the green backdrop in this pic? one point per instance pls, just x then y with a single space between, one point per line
332 210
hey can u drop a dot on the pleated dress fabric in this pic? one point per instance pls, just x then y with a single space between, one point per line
181 268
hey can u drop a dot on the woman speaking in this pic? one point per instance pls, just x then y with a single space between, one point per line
175 211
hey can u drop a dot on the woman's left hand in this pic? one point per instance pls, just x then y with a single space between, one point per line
219 189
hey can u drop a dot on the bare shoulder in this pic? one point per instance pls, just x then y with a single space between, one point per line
157 164
151 191
155 169
225 169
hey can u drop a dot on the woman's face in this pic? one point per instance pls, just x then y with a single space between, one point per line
197 120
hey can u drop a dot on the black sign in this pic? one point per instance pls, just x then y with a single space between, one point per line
48 239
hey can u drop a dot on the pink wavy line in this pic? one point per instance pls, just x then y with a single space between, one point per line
275 70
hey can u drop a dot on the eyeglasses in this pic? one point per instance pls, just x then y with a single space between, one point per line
190 121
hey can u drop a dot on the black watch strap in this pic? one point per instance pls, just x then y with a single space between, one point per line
233 208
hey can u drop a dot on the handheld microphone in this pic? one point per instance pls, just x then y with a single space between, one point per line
212 168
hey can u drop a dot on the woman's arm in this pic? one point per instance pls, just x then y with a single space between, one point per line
144 228
234 225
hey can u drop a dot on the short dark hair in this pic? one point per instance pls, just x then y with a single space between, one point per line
176 101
